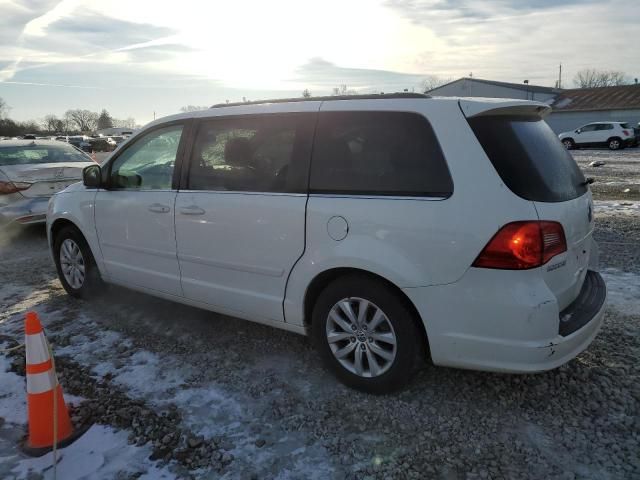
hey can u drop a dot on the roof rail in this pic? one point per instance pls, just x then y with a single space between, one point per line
371 96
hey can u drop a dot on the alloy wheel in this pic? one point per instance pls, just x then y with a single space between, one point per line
361 337
72 263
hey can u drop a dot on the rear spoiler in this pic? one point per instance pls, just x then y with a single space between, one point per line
497 106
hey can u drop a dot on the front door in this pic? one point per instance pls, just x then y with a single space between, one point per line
135 216
587 135
240 223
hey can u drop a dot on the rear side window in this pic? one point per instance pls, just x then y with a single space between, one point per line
624 125
604 126
31 154
252 153
378 153
529 157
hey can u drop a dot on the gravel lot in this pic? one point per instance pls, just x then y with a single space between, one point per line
200 395
618 179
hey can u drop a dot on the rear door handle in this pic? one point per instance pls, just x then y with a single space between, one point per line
159 208
192 210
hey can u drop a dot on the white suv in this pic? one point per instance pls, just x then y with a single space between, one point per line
378 225
614 135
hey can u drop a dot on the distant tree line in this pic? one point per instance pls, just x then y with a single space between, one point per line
592 78
73 122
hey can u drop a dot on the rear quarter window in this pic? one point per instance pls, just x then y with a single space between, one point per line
529 158
378 153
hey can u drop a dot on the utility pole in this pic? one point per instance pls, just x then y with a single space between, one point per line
154 115
560 76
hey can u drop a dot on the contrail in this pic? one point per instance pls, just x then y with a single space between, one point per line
51 85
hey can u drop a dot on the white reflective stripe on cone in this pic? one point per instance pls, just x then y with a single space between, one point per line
36 348
41 382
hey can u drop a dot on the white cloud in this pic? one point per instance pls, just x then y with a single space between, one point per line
38 26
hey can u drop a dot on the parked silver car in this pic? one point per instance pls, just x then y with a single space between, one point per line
33 170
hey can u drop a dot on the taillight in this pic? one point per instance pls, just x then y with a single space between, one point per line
523 245
626 133
12 187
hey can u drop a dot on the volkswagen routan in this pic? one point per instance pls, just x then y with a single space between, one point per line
388 228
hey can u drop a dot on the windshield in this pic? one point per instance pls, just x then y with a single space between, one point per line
34 154
529 157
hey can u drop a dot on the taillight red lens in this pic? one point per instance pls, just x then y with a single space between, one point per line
12 187
626 133
523 245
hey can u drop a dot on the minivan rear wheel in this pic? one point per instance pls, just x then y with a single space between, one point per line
365 334
75 264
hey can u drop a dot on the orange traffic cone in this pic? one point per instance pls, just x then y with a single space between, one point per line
42 385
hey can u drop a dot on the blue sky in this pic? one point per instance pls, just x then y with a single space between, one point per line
138 57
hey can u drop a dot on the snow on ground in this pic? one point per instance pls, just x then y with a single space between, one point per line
13 405
617 207
101 453
623 291
161 381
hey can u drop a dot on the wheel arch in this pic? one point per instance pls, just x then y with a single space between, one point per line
58 225
321 280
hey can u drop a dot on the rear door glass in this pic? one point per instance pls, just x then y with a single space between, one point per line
378 153
529 157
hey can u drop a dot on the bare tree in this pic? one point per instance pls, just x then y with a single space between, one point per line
84 120
592 78
306 93
430 82
192 108
4 108
51 123
343 90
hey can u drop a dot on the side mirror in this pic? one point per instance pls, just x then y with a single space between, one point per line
91 176
578 131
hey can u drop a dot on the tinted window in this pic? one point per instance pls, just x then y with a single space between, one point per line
257 153
623 125
604 126
378 153
30 154
529 158
148 162
588 128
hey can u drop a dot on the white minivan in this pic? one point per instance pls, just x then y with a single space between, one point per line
386 227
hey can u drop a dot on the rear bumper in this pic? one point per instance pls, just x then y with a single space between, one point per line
493 322
25 211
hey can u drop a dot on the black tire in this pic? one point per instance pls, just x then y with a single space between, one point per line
92 283
615 144
401 318
568 143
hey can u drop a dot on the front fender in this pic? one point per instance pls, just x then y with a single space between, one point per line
78 207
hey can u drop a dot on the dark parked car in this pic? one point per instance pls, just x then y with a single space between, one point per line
100 145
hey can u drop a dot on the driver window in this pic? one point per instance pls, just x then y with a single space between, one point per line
148 163
588 128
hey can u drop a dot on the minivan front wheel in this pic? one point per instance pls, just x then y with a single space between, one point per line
75 264
365 334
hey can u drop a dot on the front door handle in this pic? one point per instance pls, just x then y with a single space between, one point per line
159 208
192 210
